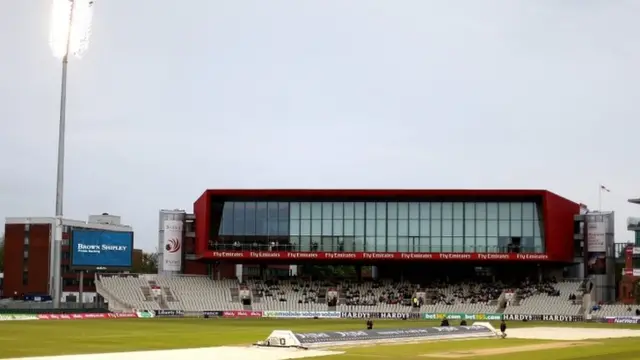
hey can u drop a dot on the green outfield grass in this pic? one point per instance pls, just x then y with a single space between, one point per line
40 338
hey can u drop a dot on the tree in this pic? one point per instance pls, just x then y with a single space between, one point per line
1 252
148 263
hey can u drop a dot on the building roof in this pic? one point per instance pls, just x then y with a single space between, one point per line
376 193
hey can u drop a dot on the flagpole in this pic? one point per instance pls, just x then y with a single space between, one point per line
600 198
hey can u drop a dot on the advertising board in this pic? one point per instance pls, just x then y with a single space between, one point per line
462 316
92 249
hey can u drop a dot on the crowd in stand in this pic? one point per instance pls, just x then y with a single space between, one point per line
404 294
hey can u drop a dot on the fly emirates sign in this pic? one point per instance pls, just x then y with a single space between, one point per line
98 249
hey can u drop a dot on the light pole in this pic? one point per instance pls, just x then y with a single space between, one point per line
70 33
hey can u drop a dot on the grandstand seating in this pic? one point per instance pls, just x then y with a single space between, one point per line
199 293
539 299
615 310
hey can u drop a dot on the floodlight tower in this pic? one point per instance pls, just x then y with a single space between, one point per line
69 35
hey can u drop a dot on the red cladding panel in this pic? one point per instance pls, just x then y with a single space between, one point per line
558 214
201 210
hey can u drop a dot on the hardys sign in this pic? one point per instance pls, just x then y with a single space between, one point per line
461 316
378 315
532 317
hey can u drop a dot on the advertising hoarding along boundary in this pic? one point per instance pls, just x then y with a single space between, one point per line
91 249
329 256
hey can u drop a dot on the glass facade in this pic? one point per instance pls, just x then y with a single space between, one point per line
386 226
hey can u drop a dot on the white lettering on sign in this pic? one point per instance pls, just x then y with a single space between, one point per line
97 249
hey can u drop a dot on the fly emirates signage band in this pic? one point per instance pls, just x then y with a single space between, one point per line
286 255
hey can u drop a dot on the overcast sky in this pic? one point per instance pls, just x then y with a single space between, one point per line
176 97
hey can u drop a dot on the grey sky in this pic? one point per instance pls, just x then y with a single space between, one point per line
176 97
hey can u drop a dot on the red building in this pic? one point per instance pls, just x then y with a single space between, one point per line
27 255
382 227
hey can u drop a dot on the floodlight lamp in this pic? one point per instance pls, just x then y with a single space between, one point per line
70 27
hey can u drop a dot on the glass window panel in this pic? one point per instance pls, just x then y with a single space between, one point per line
381 243
403 210
348 228
359 243
283 227
527 211
305 227
327 227
502 244
537 228
250 220
392 227
458 210
261 221
294 227
469 227
283 210
273 210
414 244
447 228
392 210
458 244
371 210
527 228
327 210
337 227
327 244
538 244
425 210
316 227
370 228
492 211
316 242
403 227
381 227
272 227
414 211
492 228
348 210
349 243
424 228
337 211
503 211
469 244
481 228
359 211
436 210
381 210
481 210
447 210
469 210
316 211
436 244
305 210
527 245
227 219
536 212
305 243
425 244
359 228
516 211
458 227
295 242
436 228
503 228
516 228
294 209
481 244
414 227
238 218
370 244
492 244
404 244
392 244
446 244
